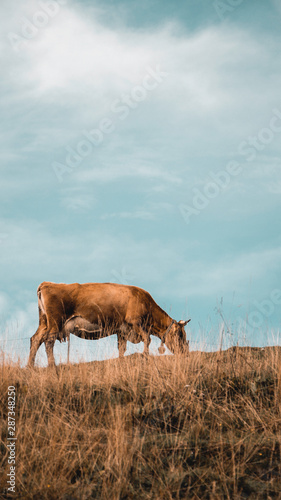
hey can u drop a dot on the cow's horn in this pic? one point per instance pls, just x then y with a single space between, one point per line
182 322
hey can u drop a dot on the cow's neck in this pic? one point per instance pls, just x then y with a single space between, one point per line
161 321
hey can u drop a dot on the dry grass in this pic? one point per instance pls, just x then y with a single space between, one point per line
203 427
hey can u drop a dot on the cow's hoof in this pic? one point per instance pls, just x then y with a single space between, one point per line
161 349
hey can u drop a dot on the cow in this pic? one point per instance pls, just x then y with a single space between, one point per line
97 310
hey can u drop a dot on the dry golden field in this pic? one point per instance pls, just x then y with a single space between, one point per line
203 427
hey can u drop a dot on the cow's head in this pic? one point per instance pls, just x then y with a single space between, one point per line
175 338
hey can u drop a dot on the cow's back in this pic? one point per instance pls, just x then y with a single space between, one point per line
112 302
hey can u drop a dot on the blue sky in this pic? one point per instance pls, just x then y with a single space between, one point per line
141 145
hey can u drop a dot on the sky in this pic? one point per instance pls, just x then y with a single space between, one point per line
140 144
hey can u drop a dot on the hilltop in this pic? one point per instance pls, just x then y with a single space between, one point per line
203 427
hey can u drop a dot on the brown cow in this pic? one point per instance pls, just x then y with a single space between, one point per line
96 310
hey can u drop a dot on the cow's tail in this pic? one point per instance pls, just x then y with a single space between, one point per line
60 334
41 305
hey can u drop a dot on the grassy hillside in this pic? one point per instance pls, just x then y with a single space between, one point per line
203 427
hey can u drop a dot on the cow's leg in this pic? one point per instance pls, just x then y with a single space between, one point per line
36 340
49 346
146 341
145 336
122 344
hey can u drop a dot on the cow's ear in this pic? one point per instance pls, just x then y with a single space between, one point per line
183 323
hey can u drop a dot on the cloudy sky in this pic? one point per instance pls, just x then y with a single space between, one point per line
141 144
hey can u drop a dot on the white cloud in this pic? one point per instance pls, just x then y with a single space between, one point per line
230 275
138 214
150 211
131 169
4 302
274 187
84 66
77 199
